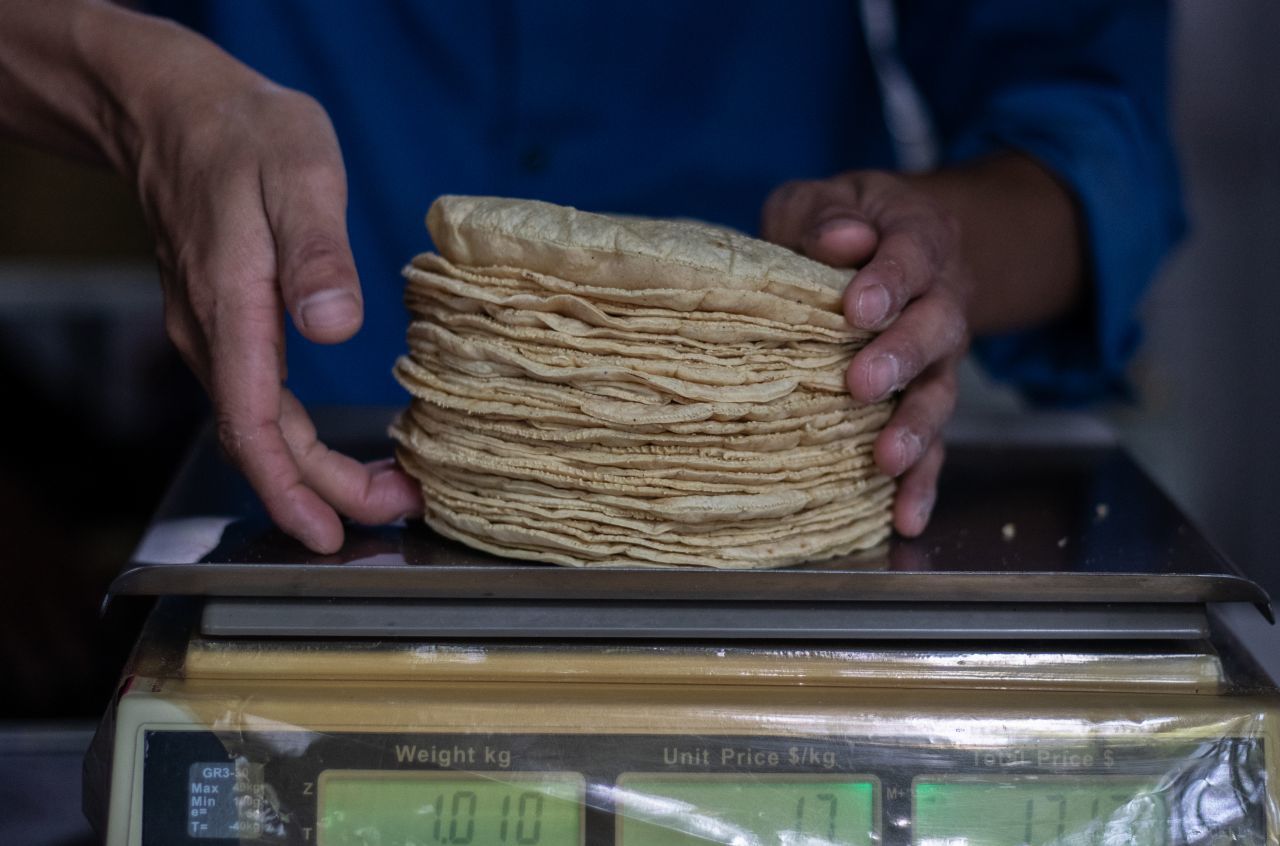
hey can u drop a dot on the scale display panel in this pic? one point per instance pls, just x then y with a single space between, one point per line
367 789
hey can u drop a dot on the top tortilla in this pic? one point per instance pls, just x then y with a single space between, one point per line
625 252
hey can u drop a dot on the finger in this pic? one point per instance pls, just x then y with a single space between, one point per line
305 197
184 333
374 493
248 427
930 329
840 238
907 262
917 492
821 219
922 411
781 217
246 343
255 444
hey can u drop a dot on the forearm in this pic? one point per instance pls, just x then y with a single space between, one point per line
51 91
81 77
1021 237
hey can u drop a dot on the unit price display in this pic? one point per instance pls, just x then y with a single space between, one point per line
386 808
1039 811
697 810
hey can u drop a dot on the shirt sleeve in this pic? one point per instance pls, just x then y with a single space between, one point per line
1081 86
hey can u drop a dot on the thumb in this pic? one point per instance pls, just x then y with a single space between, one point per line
317 273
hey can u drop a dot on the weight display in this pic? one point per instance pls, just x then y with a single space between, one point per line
379 808
670 810
1033 812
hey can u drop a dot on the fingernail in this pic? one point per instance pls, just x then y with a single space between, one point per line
910 448
882 376
334 309
872 305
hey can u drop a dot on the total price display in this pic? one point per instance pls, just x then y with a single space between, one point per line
692 810
368 807
1036 811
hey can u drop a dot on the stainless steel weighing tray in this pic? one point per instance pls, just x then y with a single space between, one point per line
1044 528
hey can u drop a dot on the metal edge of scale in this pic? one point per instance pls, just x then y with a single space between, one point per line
791 621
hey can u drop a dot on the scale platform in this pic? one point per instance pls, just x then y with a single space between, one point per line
1044 529
1047 665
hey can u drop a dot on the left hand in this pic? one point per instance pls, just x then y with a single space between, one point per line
913 288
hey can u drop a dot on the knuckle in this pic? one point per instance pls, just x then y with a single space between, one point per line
318 262
911 358
238 433
949 327
893 274
230 435
317 249
289 103
307 447
931 241
253 306
928 246
319 171
307 107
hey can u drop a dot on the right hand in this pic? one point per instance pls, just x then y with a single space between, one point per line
244 187
912 288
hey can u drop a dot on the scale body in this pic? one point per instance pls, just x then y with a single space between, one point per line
1066 682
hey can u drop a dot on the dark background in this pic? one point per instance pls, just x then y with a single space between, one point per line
96 408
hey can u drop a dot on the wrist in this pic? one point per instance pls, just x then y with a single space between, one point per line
151 76
1021 238
92 30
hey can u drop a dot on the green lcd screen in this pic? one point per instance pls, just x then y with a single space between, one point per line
1033 812
690 810
382 808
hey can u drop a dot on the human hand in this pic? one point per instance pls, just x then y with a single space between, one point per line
913 288
244 187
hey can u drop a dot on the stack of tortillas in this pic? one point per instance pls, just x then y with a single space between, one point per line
596 390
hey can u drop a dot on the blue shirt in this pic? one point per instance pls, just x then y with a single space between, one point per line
699 110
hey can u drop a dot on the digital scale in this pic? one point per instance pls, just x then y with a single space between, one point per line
1046 665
